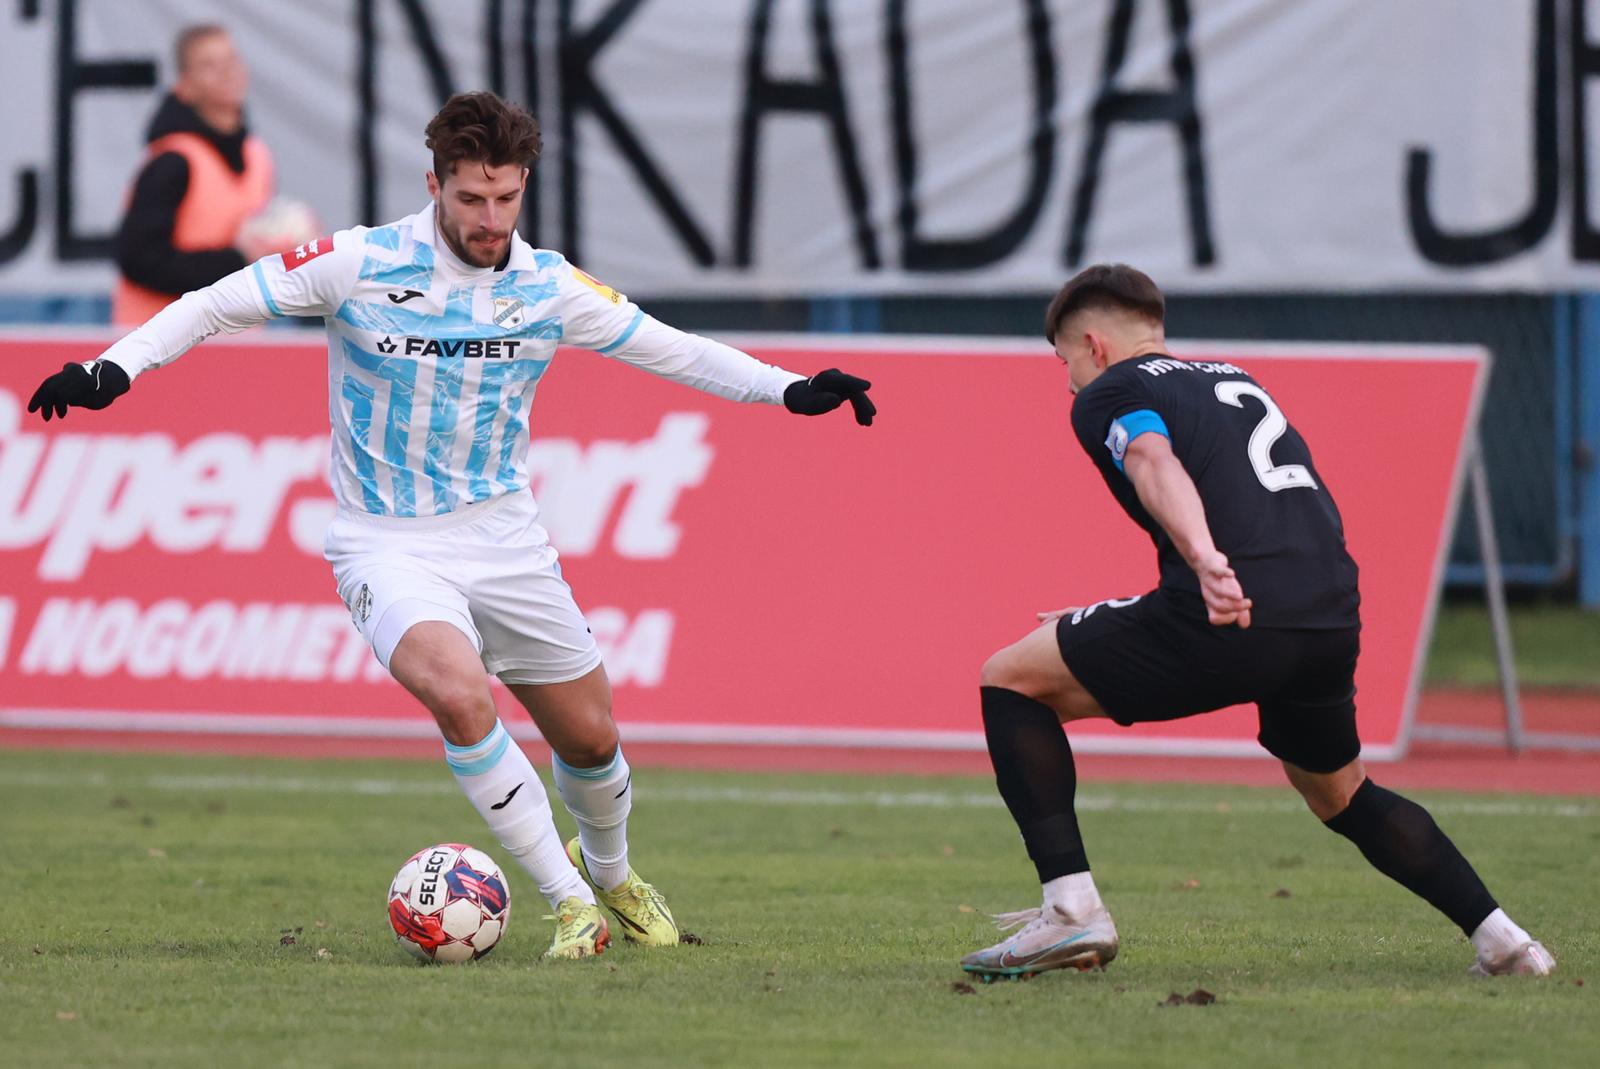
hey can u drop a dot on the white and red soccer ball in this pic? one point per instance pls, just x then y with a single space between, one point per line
449 903
279 226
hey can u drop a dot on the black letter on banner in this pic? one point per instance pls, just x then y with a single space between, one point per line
1585 65
1489 246
825 97
19 233
1179 106
918 253
423 37
16 237
529 36
74 77
578 91
493 13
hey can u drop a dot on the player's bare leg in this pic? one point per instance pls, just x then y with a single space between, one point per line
1401 840
1027 693
441 669
439 665
574 717
596 785
1032 666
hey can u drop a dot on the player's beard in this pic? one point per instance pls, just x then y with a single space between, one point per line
471 252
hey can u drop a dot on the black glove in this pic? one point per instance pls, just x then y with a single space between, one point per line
826 391
94 386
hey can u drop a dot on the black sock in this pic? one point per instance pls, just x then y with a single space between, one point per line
1401 840
1034 771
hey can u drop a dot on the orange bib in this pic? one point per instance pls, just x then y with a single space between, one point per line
216 204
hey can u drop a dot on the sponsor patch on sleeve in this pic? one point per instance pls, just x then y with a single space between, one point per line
599 287
301 255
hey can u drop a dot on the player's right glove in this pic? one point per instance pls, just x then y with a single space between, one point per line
826 391
92 385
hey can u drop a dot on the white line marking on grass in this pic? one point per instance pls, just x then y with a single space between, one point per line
800 797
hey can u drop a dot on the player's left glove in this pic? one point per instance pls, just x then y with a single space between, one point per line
826 391
93 385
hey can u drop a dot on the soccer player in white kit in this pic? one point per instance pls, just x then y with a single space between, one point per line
439 328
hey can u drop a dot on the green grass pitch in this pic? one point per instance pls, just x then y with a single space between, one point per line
147 900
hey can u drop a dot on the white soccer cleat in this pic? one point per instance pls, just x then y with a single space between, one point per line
1047 940
1529 959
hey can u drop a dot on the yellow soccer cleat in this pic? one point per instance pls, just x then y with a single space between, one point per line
639 907
581 930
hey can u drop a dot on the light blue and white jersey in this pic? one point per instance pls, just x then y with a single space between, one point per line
433 363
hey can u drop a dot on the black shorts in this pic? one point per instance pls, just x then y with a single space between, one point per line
1142 660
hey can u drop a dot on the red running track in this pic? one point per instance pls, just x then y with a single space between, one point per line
1429 765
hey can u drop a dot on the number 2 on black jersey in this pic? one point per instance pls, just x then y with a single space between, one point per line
1274 477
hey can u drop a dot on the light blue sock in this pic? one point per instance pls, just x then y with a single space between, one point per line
502 786
599 799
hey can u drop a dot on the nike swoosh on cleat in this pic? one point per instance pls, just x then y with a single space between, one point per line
502 803
629 921
1007 958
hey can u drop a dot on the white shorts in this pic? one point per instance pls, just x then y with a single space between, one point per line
488 569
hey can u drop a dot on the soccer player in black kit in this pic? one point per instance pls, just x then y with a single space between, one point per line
1257 603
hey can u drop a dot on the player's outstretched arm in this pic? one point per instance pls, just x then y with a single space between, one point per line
1169 495
227 305
597 317
722 370
273 286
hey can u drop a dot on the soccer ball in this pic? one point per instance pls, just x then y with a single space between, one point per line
279 226
449 903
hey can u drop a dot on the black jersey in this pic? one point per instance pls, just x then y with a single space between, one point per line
1268 509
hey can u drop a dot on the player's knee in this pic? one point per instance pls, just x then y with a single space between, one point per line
1326 794
463 709
596 740
999 670
1009 668
596 751
1323 807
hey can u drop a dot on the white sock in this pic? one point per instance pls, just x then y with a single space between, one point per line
502 786
1074 895
1498 936
599 800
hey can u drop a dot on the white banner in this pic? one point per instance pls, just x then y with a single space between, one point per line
787 147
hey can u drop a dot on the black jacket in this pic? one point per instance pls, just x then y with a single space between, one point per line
145 253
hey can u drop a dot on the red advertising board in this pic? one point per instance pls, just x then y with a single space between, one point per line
753 577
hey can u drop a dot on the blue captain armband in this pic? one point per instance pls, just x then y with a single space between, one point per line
1124 429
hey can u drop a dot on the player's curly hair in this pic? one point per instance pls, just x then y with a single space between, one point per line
482 128
1106 286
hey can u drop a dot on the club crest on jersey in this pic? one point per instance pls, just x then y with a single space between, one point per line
1117 441
508 312
361 608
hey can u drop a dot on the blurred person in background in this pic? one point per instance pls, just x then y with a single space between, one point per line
199 207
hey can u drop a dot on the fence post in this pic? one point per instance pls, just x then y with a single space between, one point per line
1494 588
